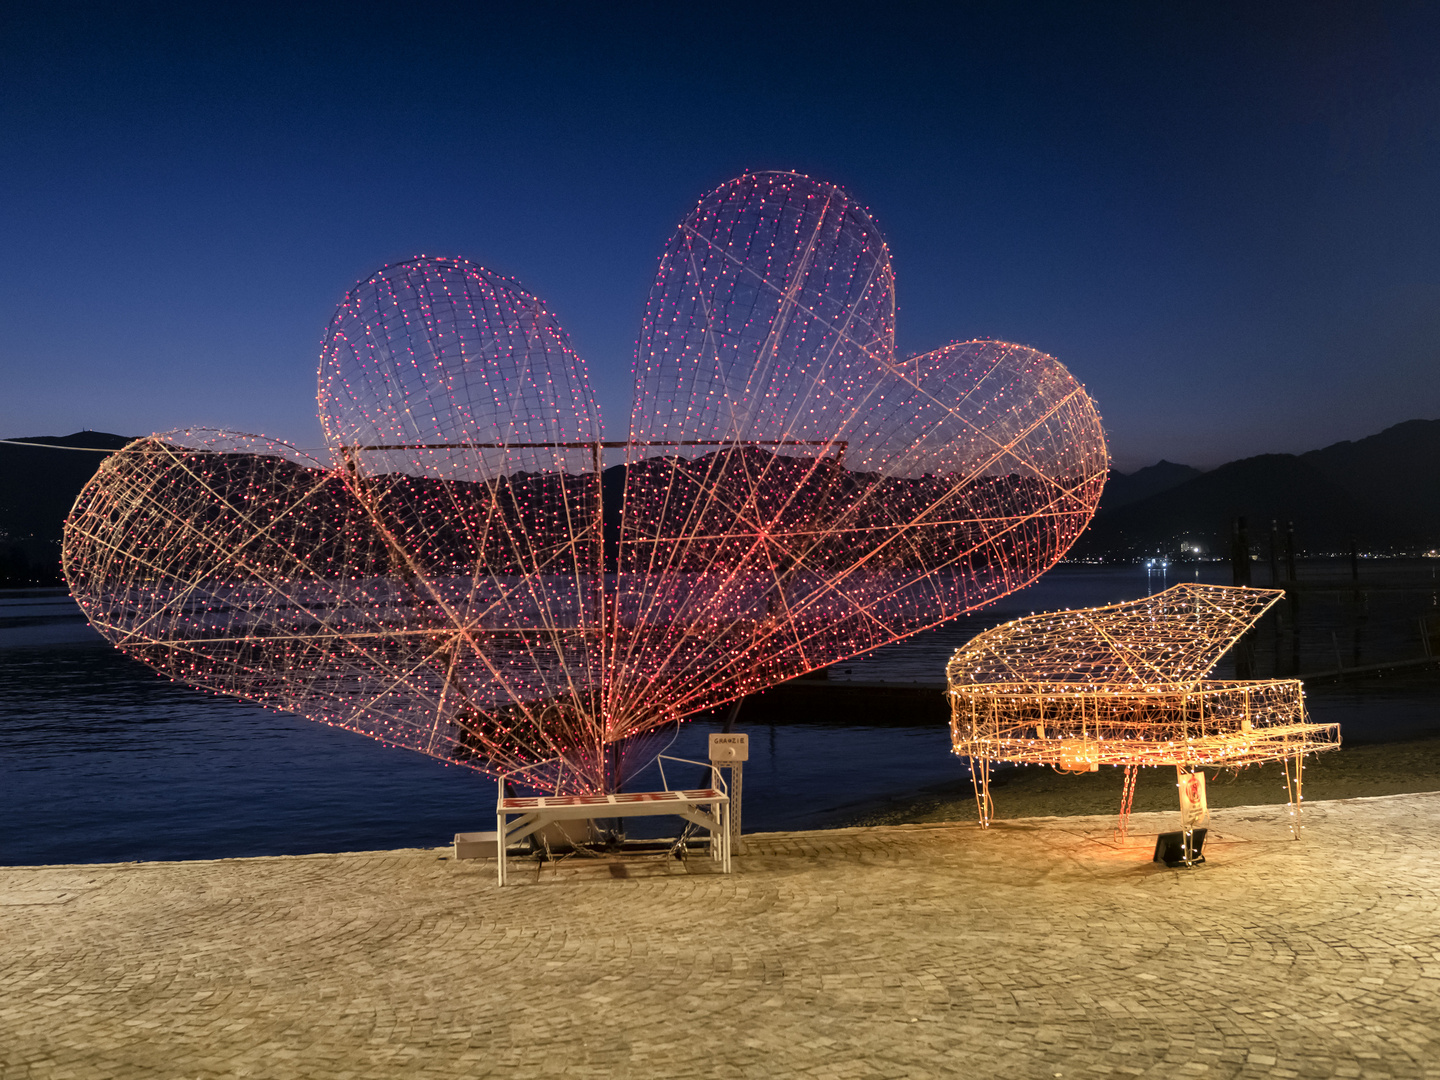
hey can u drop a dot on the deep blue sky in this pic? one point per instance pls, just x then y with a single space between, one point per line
1225 218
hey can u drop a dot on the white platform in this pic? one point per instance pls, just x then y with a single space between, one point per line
520 816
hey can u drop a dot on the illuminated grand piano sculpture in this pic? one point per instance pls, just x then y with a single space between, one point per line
1126 685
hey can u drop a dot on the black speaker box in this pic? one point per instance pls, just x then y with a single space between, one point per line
1170 848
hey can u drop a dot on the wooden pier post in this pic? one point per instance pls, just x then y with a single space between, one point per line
1240 553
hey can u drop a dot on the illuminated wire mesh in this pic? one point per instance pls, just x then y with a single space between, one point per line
465 578
1125 685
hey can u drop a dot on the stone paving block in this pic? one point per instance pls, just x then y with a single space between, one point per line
1035 948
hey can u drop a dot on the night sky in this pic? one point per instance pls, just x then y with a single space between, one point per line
1224 218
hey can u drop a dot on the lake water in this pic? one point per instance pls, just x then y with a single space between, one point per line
103 761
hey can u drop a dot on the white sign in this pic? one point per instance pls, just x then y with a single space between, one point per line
1194 811
725 749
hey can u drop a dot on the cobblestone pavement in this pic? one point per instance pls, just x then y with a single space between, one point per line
1037 949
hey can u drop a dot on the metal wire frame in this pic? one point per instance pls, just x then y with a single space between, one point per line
1124 685
466 579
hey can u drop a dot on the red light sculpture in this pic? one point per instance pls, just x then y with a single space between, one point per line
466 579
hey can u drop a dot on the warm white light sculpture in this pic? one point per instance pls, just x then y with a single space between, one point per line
1125 685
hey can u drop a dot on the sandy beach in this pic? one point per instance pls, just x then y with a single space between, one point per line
1364 770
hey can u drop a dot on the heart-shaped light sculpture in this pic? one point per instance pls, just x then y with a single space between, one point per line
465 578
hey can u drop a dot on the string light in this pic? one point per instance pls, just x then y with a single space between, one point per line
464 577
1125 685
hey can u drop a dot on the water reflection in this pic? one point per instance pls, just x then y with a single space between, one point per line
104 761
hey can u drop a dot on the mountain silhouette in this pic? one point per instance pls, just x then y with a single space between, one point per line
1381 492
1397 472
38 486
1121 489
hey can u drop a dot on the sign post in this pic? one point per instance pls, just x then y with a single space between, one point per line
1194 809
731 751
